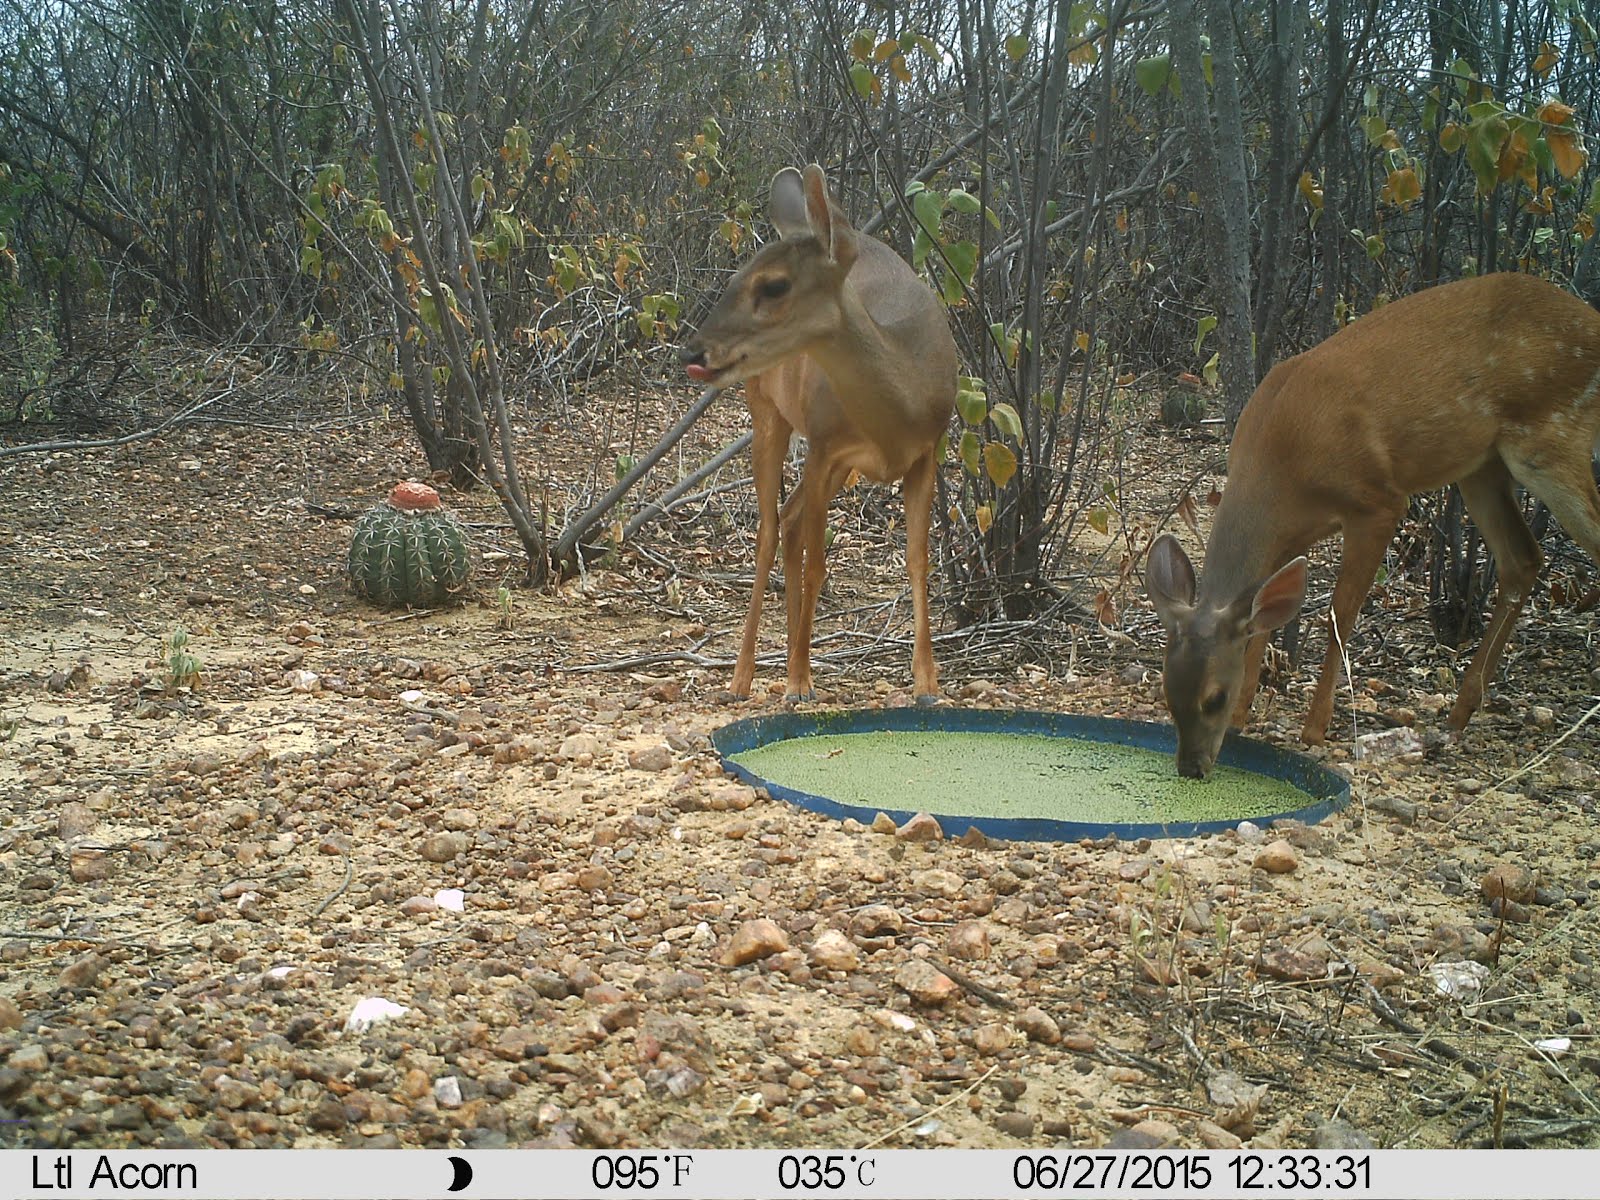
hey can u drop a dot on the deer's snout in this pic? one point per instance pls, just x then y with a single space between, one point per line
692 354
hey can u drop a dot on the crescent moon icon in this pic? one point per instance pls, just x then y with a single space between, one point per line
461 1173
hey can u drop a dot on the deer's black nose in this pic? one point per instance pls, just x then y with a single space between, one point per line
692 354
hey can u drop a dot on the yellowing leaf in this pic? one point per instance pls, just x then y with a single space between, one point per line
1016 47
886 50
1452 137
1099 520
1403 187
999 462
1081 340
984 516
971 452
1310 191
898 68
1549 56
1553 112
1567 150
972 406
1006 420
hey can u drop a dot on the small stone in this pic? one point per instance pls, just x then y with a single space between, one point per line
1039 1025
1334 1133
1080 1043
83 972
920 828
1015 1124
594 878
1388 744
1277 858
1164 1133
1542 716
992 1038
876 920
754 939
651 758
442 847
1214 1137
580 746
10 1014
883 823
937 882
416 905
461 820
29 1058
968 940
926 984
833 951
89 865
1508 881
74 820
1280 962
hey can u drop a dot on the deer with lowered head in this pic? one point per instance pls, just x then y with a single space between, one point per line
1484 383
837 339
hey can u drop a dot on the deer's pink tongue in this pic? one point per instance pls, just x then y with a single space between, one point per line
697 372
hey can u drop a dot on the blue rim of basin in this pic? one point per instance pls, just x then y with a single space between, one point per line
1326 791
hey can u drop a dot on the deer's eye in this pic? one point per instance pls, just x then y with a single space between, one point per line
1213 704
772 289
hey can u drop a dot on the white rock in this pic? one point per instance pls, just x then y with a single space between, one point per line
1458 980
370 1010
451 899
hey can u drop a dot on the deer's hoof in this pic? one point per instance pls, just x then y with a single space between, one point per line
928 699
804 697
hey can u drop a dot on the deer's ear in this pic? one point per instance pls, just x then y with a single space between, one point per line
1278 600
827 224
787 206
1169 578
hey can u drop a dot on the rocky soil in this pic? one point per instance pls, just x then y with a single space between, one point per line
507 823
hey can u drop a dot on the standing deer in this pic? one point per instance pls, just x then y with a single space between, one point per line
1483 383
837 339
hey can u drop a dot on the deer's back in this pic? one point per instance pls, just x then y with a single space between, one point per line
1417 394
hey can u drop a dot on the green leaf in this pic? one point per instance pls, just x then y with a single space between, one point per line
1209 371
1375 127
963 259
1152 74
863 80
928 208
1016 47
962 202
1202 327
1006 420
999 462
1484 142
973 406
971 452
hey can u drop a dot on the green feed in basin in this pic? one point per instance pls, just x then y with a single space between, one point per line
1024 775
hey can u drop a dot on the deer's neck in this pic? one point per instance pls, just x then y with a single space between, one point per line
1245 547
878 379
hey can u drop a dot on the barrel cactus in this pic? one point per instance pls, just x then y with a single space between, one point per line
409 551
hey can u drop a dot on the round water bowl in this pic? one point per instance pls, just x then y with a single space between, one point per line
1027 776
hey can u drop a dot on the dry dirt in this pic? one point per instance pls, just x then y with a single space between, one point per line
198 885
